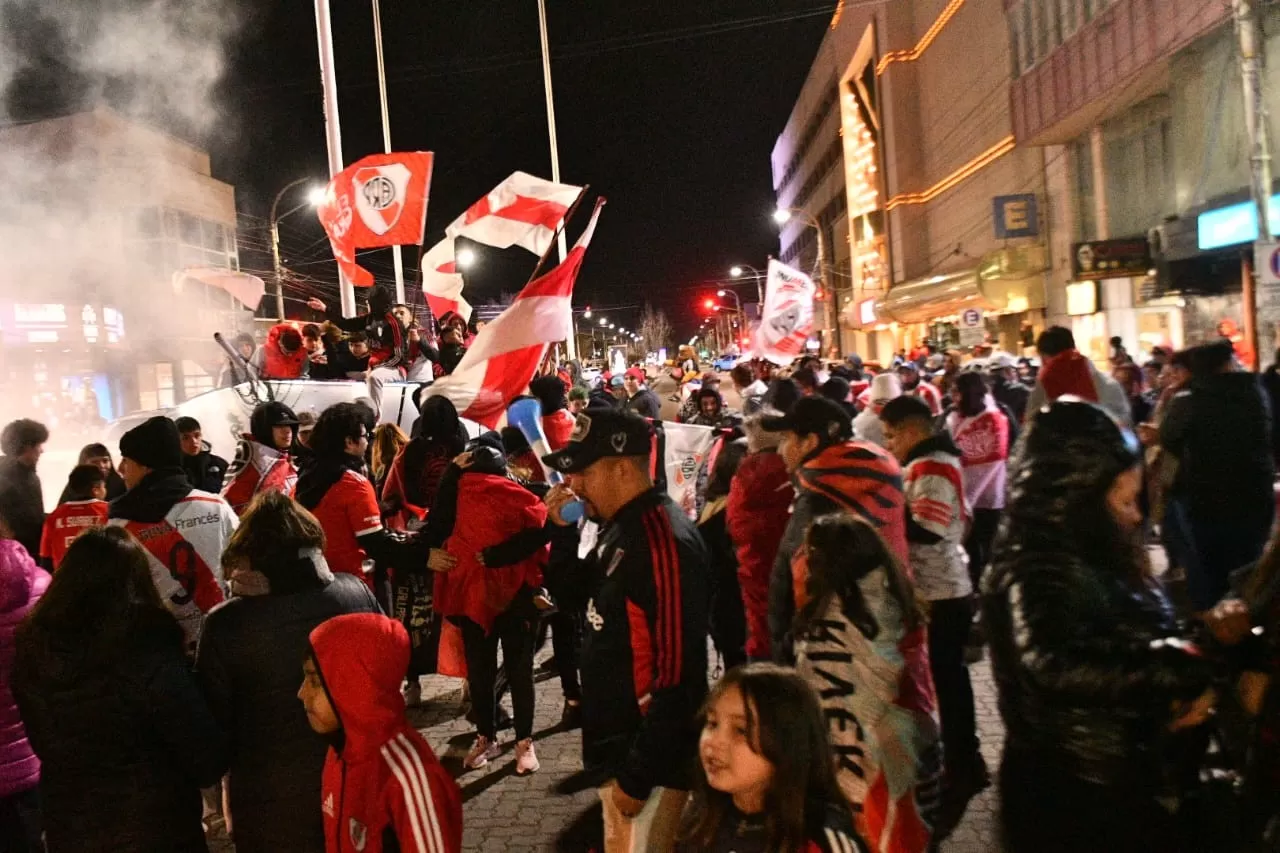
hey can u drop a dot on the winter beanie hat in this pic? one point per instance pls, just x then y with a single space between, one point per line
154 443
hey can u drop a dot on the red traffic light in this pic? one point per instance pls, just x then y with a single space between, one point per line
710 304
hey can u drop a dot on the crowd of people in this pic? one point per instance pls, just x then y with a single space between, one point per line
184 642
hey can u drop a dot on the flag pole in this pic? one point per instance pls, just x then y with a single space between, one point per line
396 257
332 128
572 344
573 208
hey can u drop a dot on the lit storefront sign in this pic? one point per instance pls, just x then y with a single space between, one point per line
1082 298
48 323
1234 224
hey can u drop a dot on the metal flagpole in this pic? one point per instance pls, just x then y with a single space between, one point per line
1255 118
386 133
332 127
571 344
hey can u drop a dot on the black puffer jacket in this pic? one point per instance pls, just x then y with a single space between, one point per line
1086 656
248 663
125 748
22 502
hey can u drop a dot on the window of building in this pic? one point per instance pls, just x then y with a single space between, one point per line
1086 203
195 379
1015 41
155 385
1028 37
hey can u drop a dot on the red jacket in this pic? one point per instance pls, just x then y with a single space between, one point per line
277 365
491 509
558 426
383 789
760 497
266 470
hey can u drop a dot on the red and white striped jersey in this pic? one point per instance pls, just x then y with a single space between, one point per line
185 553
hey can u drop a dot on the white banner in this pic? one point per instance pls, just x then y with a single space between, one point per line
687 448
787 317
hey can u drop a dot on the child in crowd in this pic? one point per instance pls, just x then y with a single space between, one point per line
767 782
383 788
84 506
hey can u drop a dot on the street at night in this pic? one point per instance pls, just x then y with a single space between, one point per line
728 426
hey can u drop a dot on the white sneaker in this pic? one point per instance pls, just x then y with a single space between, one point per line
526 758
482 752
413 692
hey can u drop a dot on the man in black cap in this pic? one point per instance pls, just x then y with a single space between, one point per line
832 472
647 615
264 460
183 530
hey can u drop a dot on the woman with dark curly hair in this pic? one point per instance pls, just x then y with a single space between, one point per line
1094 677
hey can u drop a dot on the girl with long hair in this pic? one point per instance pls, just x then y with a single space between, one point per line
861 643
766 779
124 736
388 441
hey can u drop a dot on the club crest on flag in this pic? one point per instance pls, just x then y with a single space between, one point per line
380 194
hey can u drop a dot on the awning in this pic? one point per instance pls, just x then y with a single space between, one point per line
246 289
1009 281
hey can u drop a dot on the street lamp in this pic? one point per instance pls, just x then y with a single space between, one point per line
782 216
464 258
738 270
603 321
314 198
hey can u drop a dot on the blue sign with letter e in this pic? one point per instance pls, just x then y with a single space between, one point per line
1016 216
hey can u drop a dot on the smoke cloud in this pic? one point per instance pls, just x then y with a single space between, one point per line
72 201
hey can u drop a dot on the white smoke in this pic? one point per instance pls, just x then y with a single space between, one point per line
67 208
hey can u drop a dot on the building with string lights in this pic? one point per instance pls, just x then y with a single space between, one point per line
900 154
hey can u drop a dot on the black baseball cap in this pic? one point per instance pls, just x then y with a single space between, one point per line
813 416
599 433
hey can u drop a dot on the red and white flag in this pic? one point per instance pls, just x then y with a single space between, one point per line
378 201
521 211
506 354
441 281
787 318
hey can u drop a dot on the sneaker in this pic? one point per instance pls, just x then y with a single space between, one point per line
413 692
526 758
482 753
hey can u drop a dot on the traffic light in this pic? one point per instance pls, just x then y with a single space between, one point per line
710 304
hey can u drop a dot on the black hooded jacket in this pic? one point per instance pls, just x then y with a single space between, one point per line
1087 658
1219 430
205 471
247 662
22 502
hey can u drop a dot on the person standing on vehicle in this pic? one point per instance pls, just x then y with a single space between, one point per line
283 356
268 464
205 471
639 398
182 529
647 615
388 338
21 497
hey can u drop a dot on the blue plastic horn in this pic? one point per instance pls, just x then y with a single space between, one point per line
526 416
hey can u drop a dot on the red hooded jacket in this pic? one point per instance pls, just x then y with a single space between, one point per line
384 783
276 364
491 509
558 426
760 499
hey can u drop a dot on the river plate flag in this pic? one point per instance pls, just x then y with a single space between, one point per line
506 353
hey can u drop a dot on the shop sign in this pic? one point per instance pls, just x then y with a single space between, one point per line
867 312
49 314
1099 259
1082 298
1016 216
1233 224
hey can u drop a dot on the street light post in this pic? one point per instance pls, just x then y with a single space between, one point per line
737 302
782 216
276 264
737 270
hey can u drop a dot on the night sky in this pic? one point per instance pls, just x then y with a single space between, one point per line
670 109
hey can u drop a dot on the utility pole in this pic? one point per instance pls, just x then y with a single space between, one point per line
332 127
386 134
571 343
1255 117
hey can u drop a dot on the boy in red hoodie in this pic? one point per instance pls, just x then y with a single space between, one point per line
383 788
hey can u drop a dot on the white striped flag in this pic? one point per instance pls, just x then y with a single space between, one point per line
506 354
442 283
521 211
